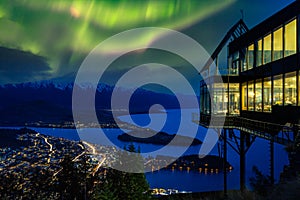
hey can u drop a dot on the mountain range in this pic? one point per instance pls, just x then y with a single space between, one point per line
50 101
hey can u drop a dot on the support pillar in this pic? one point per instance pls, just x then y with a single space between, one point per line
272 160
242 162
225 161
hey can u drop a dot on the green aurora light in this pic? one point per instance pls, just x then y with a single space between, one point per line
60 29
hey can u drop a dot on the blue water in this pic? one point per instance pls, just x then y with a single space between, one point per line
193 181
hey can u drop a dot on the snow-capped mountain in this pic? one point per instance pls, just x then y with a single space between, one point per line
52 100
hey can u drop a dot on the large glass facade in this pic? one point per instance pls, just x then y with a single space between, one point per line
261 94
251 96
290 38
267 55
278 44
290 89
267 96
225 99
258 95
278 90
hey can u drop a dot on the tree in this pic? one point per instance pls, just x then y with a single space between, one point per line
131 186
105 192
260 183
74 180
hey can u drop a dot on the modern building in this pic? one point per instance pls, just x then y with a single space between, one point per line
261 80
260 92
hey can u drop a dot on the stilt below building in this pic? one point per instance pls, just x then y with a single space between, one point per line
242 162
225 161
272 161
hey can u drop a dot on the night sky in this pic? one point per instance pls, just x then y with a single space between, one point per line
42 40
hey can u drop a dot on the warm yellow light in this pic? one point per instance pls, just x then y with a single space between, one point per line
251 94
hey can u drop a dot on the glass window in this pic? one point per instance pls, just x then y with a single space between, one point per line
267 101
205 99
290 38
244 96
259 53
299 89
234 98
235 64
250 56
251 96
277 90
258 95
277 44
290 94
220 98
243 59
267 49
235 55
235 67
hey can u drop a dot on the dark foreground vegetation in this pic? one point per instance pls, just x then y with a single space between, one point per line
75 181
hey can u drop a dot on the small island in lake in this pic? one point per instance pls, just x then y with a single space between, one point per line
160 138
208 164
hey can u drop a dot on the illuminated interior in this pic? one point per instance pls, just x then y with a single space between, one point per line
277 90
259 53
268 49
234 99
251 96
259 98
290 37
290 89
267 95
225 101
258 95
220 98
250 56
244 96
278 44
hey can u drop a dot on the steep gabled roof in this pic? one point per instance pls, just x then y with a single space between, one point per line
234 32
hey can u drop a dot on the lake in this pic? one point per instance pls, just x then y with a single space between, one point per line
193 181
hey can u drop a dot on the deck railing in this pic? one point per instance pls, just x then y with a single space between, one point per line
283 134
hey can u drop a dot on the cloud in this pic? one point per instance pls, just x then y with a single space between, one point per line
20 66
